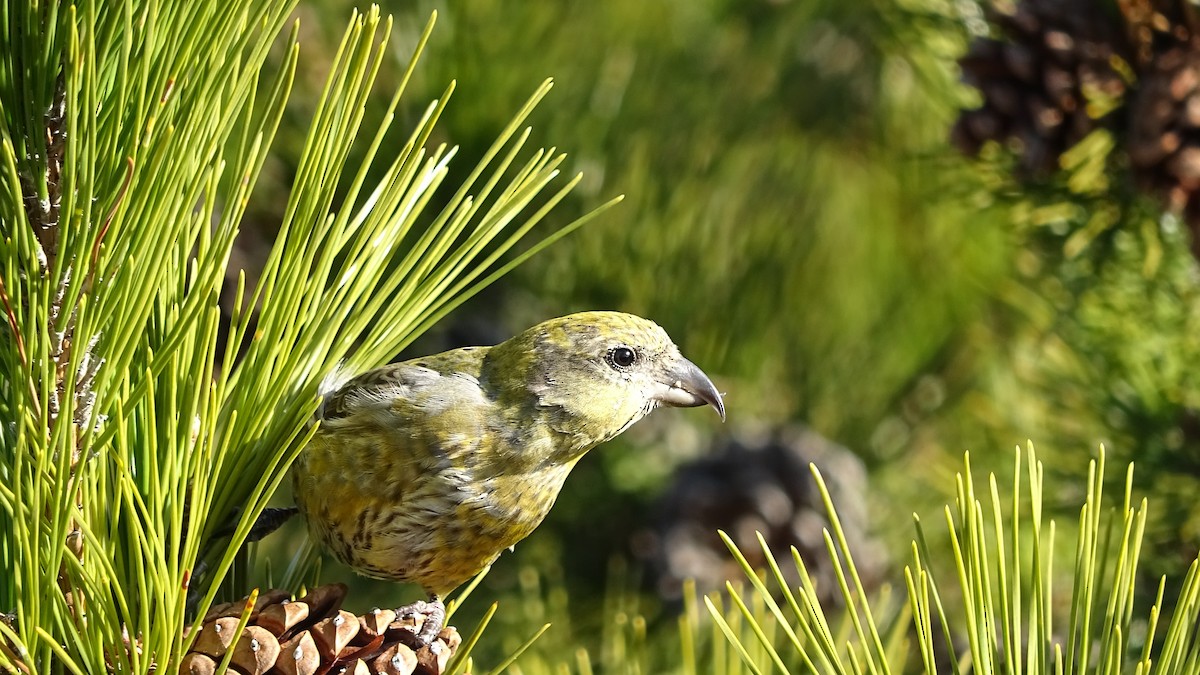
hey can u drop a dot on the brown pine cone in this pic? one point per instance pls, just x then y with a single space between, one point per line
1047 81
314 635
751 485
1156 26
1164 134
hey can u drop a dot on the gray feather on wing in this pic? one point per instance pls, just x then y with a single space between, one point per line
377 388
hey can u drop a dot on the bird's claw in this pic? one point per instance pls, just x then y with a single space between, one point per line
433 615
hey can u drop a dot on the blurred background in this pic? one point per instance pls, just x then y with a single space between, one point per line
892 231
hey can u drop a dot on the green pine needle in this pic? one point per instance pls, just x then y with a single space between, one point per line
125 445
1004 619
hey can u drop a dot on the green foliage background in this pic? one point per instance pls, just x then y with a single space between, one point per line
796 218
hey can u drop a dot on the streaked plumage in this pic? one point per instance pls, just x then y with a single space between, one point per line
424 471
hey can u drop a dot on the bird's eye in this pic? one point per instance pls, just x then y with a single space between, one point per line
621 357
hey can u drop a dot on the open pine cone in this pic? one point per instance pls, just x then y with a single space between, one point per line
312 636
1059 69
1051 59
750 485
1164 133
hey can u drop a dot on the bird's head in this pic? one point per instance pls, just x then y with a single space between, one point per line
592 375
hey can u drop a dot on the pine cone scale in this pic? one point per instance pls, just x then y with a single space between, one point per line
314 635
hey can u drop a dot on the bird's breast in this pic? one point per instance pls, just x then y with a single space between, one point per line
436 523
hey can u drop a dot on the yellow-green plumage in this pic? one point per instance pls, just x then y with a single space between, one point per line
424 471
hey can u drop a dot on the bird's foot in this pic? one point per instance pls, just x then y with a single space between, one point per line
433 611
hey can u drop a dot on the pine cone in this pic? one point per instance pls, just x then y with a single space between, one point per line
314 635
759 485
1164 141
1164 134
1055 58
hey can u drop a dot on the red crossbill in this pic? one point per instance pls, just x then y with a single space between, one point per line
425 471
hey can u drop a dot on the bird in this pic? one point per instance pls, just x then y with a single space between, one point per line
426 470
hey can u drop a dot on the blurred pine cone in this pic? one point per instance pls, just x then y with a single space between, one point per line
760 485
1164 131
1059 69
314 635
1048 79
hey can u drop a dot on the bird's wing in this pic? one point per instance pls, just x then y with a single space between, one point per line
405 381
387 430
